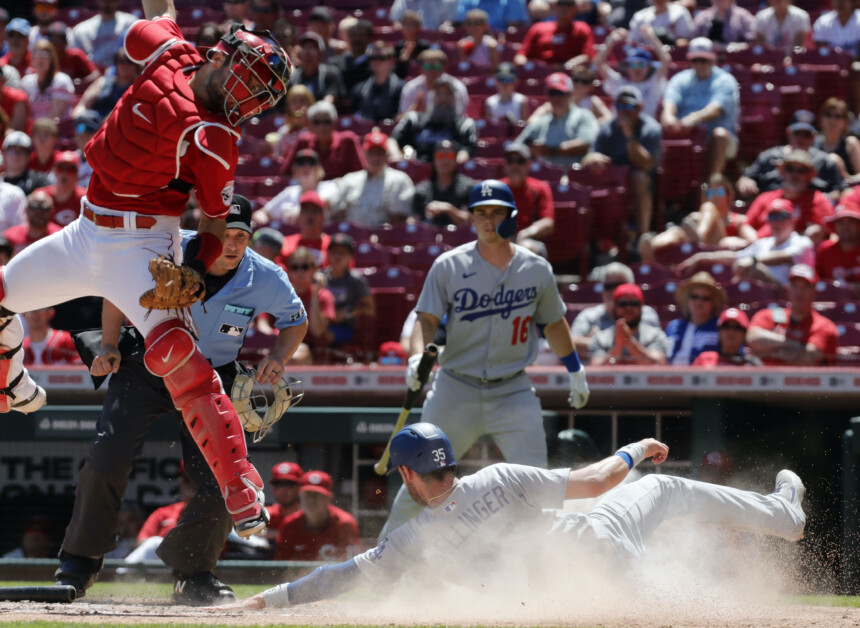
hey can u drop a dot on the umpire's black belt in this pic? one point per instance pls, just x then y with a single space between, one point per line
483 380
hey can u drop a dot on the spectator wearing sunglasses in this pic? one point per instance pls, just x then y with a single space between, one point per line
378 97
564 40
632 139
638 69
600 317
38 225
628 340
443 198
507 103
310 287
417 94
764 174
701 300
670 21
339 151
73 61
533 198
732 351
835 139
768 259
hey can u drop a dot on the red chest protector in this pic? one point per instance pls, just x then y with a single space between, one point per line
137 150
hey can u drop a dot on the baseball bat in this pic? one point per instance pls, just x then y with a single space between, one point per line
428 359
63 594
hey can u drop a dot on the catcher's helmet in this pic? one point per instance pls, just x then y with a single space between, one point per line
423 447
259 72
492 192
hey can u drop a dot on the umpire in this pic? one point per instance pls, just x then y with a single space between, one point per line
240 285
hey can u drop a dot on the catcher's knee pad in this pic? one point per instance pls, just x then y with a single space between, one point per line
172 354
18 391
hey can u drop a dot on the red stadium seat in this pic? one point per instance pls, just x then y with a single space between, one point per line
394 277
567 247
480 169
573 310
359 233
849 334
359 126
457 235
260 126
831 72
421 256
479 85
751 291
846 311
833 291
269 187
392 307
417 170
407 233
660 293
586 292
373 255
673 255
651 273
756 55
263 167
197 16
488 128
488 149
546 171
608 200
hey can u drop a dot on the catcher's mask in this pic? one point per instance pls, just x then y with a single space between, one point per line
259 404
259 72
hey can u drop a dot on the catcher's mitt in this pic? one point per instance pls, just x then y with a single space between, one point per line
260 406
173 286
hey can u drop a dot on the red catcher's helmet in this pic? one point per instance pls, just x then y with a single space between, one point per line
259 72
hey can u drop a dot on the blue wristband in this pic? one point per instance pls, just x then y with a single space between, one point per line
571 362
626 458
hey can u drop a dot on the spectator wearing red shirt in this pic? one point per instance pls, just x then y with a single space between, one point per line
15 104
38 225
732 326
560 41
811 207
533 198
285 482
319 301
44 135
73 61
339 151
796 335
164 519
66 193
319 531
840 259
310 235
18 38
46 346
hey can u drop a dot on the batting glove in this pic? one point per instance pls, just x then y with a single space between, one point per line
412 381
578 389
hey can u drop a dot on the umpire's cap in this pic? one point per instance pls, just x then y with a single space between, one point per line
240 214
493 192
423 447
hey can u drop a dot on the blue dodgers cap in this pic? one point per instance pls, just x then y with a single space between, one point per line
422 447
18 25
638 54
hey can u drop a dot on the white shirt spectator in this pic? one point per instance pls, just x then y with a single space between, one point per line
499 110
13 206
374 201
782 35
675 20
433 12
651 88
418 85
284 208
42 103
828 30
99 38
800 248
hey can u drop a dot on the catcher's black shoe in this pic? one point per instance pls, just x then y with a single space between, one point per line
80 572
201 589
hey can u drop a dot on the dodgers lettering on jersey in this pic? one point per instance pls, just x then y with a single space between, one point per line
491 314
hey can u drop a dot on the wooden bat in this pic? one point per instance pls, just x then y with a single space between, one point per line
428 359
59 593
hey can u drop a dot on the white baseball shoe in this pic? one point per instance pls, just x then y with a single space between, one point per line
790 487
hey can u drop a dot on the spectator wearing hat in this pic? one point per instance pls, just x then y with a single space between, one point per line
632 139
44 12
391 353
321 22
600 317
507 103
782 25
670 21
417 94
285 481
418 131
769 258
478 47
410 47
100 36
764 174
724 23
104 93
810 206
18 40
628 341
352 298
13 207
307 176
13 101
378 97
500 13
16 156
86 125
324 80
44 135
320 530
265 14
65 192
44 345
37 225
638 69
268 242
701 300
533 198
839 259
73 61
310 286
378 194
443 198
566 132
796 335
339 152
707 95
564 40
732 351
312 216
432 13
237 11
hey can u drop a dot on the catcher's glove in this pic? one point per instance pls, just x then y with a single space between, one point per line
260 406
174 286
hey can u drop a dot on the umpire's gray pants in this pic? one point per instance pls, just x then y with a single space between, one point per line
135 399
508 411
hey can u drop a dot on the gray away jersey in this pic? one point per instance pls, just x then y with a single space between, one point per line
491 315
467 527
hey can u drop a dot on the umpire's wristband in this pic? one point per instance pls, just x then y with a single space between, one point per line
632 454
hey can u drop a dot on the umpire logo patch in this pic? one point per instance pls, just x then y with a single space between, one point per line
231 330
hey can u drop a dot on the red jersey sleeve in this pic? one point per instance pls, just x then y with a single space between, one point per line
211 159
146 37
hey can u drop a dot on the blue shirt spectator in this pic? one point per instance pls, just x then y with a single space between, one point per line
701 300
502 13
691 94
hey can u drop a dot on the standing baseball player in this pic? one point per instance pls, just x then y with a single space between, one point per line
239 286
497 296
174 129
506 508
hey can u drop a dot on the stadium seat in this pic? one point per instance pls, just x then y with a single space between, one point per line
417 170
586 292
260 126
573 310
373 255
833 291
393 277
751 291
407 233
607 202
849 334
392 307
488 128
756 55
456 235
660 293
651 273
480 169
359 126
359 233
421 256
846 311
479 85
675 254
197 16
831 72
546 171
567 247
488 148
263 167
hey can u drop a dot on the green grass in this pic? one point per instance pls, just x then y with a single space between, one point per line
852 601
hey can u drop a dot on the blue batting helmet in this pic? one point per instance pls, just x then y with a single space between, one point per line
423 447
492 192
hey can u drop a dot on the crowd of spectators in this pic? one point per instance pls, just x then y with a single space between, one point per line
392 114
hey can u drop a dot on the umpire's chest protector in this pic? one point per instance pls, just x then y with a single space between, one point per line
137 151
